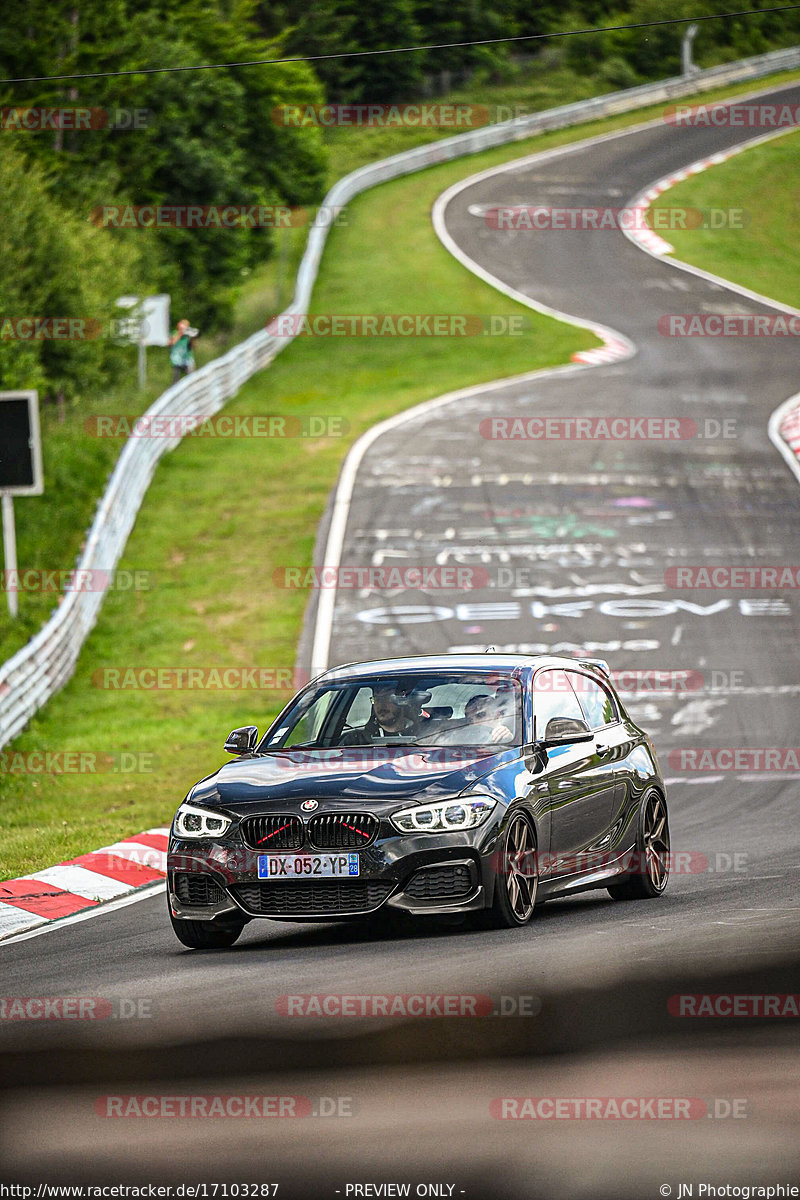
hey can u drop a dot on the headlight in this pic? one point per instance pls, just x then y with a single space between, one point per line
448 816
191 822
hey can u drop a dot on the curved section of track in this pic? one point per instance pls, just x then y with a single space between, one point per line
582 539
577 537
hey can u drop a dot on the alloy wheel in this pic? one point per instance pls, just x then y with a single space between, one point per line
523 876
656 842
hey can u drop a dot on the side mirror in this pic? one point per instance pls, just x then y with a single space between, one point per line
562 731
242 741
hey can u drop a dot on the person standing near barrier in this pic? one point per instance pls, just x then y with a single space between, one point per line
181 353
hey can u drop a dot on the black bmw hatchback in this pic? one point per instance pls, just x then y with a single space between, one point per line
480 784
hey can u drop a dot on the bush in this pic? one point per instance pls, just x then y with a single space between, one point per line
53 265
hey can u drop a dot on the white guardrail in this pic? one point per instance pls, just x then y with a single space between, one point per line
40 668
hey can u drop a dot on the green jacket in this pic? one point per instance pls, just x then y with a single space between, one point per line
180 354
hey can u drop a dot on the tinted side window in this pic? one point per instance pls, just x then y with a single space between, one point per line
308 727
596 702
553 697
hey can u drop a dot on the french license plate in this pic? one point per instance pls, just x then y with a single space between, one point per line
307 866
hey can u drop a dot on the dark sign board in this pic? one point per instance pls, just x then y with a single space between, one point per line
20 444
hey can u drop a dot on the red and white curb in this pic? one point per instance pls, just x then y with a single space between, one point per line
789 427
784 432
635 225
83 883
613 350
633 222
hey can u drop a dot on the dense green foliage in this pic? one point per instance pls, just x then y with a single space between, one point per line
200 138
622 58
209 137
53 264
276 491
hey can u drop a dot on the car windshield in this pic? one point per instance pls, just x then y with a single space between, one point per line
431 709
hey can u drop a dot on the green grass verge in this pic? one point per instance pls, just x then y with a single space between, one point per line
541 87
51 528
221 516
757 189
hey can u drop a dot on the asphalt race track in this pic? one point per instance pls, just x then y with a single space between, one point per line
576 537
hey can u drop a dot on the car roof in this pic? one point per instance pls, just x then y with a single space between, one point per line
490 661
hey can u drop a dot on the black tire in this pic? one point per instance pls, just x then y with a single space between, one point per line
206 935
517 876
651 875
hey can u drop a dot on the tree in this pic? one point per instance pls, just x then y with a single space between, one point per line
208 138
338 26
54 266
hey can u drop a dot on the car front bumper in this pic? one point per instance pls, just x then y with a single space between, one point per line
420 874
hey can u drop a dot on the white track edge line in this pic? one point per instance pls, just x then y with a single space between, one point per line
707 163
343 496
791 402
323 622
143 893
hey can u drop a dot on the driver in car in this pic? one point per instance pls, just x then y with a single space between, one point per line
394 714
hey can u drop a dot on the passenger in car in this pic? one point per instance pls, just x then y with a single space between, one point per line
486 719
496 712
